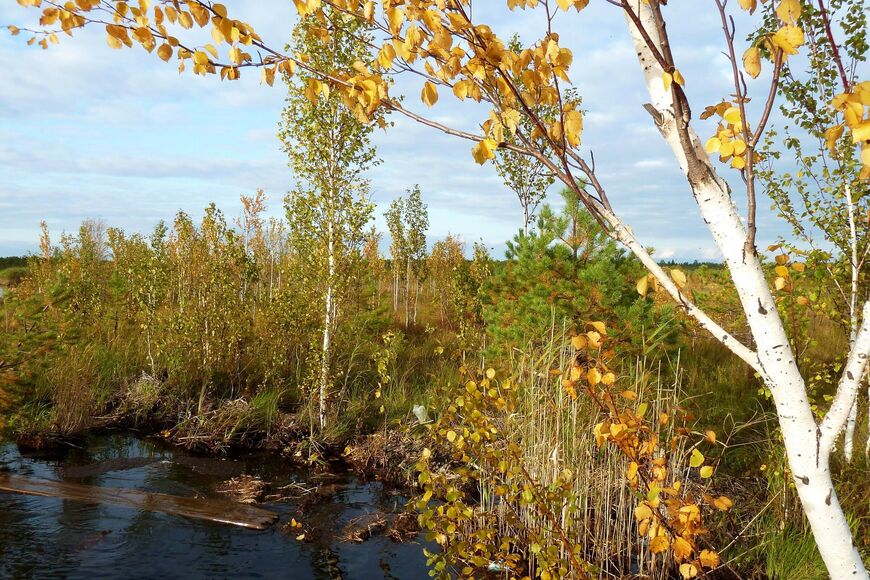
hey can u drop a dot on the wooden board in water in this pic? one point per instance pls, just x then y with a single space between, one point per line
211 510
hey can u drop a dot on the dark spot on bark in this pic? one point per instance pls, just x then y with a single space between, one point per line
803 479
778 346
850 375
828 499
761 308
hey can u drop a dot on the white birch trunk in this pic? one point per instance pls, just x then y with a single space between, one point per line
807 448
849 437
329 312
407 291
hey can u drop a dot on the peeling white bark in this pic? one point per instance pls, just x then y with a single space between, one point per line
808 459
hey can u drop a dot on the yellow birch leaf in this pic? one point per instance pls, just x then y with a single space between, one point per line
712 145
723 503
599 326
659 544
594 338
200 58
832 135
749 5
113 42
861 132
707 471
386 56
573 127
731 115
642 286
697 458
631 475
788 39
709 559
643 511
576 373
789 11
594 376
429 94
781 271
667 79
678 78
164 52
682 549
269 76
752 61
678 277
688 571
395 17
484 151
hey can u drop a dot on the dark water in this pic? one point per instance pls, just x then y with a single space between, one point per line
42 537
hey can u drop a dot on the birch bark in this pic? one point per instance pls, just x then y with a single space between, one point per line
808 445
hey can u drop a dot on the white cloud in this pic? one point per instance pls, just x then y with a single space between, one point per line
88 132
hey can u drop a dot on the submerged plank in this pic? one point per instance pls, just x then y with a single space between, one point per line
211 510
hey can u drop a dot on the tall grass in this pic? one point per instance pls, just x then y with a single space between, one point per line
550 433
556 432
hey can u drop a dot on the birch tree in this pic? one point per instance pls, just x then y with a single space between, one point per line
449 52
526 176
824 198
395 217
416 224
329 151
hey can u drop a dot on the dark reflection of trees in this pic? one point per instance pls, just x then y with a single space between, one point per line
325 563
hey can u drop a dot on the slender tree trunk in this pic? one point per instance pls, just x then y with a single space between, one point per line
329 312
407 290
416 299
395 288
807 444
848 443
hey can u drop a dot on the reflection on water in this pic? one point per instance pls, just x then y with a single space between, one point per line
42 537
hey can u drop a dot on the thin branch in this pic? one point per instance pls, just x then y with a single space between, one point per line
835 50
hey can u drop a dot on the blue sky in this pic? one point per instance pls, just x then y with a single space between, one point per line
87 132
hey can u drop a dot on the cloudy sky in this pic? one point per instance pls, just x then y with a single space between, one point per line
87 132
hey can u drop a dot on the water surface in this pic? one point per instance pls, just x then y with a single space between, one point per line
43 537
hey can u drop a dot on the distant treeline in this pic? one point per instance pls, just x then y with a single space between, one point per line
12 262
